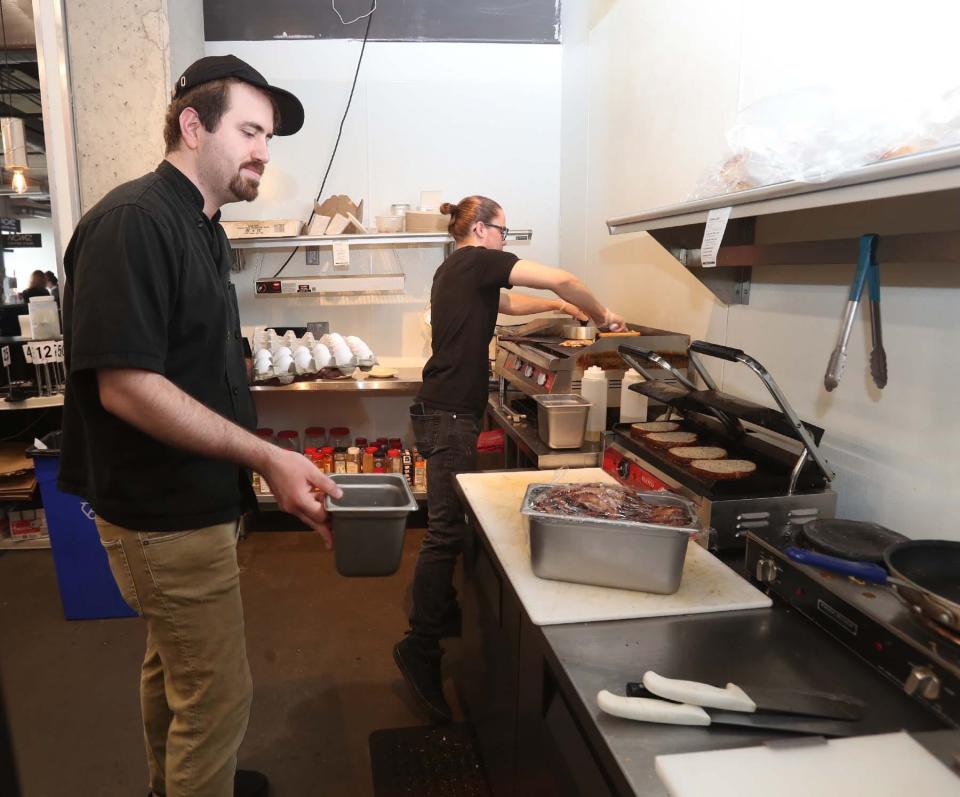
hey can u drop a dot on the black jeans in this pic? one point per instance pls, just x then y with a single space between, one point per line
448 441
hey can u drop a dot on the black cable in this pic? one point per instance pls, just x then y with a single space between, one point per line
323 183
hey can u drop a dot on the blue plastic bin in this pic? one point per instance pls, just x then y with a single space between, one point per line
87 587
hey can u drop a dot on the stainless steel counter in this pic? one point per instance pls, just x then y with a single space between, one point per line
770 647
526 449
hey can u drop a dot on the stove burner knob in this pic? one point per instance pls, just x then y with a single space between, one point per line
623 469
541 379
922 681
767 571
528 371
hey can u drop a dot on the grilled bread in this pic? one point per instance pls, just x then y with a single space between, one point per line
649 427
723 468
689 453
669 439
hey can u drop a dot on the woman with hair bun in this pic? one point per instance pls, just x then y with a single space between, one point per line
465 300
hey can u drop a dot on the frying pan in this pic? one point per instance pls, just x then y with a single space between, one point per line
924 573
579 331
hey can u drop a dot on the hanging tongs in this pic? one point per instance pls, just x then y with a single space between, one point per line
867 273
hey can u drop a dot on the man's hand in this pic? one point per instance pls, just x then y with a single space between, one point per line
573 311
299 487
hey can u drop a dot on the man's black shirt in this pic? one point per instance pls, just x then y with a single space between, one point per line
148 287
464 302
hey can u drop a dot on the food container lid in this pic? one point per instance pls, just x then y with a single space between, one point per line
265 432
393 452
339 431
287 434
315 431
562 400
353 451
326 450
370 450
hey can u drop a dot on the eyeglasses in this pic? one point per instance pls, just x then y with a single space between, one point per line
503 230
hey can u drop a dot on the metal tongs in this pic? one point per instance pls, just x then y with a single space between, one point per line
868 272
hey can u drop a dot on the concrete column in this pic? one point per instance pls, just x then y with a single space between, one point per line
123 57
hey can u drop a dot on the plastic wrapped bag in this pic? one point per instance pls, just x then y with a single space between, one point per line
605 501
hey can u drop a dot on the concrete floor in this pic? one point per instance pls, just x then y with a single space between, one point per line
319 647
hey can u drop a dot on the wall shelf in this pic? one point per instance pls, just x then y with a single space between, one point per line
877 192
372 239
406 383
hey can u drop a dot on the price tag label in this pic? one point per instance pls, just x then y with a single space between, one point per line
712 236
58 351
27 353
6 356
341 254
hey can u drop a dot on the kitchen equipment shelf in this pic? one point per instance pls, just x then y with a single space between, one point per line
406 383
370 239
880 194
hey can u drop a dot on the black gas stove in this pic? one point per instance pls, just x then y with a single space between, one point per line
919 656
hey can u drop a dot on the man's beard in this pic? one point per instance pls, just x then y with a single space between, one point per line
243 188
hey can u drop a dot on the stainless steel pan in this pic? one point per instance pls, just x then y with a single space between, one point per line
579 332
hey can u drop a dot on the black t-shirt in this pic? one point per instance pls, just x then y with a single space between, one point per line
148 287
464 303
29 293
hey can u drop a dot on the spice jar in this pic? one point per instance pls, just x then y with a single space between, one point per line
340 460
340 437
361 443
353 460
314 437
393 461
368 453
396 443
419 472
326 459
289 439
378 464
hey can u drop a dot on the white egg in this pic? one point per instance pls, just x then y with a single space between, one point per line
283 351
342 356
282 364
299 349
321 356
262 354
308 340
302 359
263 368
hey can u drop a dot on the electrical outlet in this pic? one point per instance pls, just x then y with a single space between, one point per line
313 255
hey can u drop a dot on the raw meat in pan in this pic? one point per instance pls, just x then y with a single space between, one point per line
607 502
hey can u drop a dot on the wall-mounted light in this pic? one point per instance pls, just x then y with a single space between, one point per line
14 150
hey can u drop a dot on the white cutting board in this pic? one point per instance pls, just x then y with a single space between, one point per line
708 585
888 765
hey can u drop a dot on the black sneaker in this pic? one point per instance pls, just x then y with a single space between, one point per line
247 783
420 668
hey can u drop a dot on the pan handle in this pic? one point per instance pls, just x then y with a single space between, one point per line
867 571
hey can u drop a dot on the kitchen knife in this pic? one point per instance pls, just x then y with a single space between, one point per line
751 699
645 709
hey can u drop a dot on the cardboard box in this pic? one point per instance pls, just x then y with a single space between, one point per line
28 524
267 228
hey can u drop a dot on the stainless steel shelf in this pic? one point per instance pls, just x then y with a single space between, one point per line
371 239
937 170
41 544
525 438
406 383
877 195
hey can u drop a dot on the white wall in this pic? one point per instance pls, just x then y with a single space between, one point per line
649 90
461 118
21 262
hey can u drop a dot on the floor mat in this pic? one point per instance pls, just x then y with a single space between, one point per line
427 761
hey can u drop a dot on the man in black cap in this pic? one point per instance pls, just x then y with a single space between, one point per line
158 418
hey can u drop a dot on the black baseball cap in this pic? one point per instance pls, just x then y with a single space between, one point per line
217 67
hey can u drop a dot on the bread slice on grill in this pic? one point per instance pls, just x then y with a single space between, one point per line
648 427
723 468
689 453
669 439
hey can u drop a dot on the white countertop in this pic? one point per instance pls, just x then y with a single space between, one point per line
708 585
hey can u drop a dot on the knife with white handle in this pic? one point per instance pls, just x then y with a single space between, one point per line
752 699
732 698
646 709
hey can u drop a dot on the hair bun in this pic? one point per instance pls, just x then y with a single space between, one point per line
449 210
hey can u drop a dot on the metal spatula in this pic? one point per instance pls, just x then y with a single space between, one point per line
878 357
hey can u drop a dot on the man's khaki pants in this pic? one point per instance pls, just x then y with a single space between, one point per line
195 686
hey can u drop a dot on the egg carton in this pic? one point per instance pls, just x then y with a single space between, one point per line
287 357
